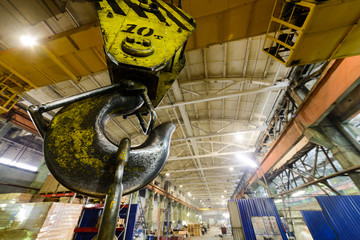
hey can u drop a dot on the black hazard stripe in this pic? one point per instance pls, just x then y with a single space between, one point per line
172 17
182 14
115 7
136 8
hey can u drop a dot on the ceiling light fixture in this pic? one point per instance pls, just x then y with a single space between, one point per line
298 193
167 174
28 41
225 191
20 165
231 168
181 186
248 161
239 137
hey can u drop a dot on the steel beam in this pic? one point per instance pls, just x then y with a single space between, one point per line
262 81
213 97
189 131
320 180
216 154
162 192
207 168
21 118
215 176
230 120
215 134
333 84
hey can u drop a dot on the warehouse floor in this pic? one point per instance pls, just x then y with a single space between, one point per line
212 235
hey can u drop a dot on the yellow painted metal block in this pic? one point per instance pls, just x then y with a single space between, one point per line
309 31
143 35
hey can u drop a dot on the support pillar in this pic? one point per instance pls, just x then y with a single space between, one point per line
149 205
135 197
182 213
175 215
170 209
327 134
162 205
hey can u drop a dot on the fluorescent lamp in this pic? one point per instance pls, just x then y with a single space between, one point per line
248 161
298 193
19 165
167 174
239 137
28 41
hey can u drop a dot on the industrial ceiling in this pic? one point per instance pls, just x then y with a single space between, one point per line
220 102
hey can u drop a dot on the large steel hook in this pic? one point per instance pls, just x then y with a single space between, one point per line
83 159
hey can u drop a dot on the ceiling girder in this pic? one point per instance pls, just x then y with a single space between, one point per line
215 154
213 97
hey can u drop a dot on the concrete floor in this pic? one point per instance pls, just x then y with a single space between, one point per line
212 235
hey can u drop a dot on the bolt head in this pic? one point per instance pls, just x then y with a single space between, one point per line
130 39
146 43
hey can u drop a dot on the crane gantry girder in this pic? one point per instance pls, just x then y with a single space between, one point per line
337 80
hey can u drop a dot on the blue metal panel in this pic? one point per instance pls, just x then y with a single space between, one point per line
91 216
319 226
130 225
257 207
343 212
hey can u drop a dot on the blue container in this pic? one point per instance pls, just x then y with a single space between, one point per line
149 237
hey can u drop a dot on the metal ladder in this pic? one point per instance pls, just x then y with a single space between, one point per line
140 221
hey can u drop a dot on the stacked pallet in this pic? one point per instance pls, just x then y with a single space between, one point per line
51 185
15 198
41 221
194 229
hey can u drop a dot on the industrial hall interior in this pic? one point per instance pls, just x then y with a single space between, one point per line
180 119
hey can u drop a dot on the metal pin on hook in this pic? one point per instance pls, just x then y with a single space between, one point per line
110 214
